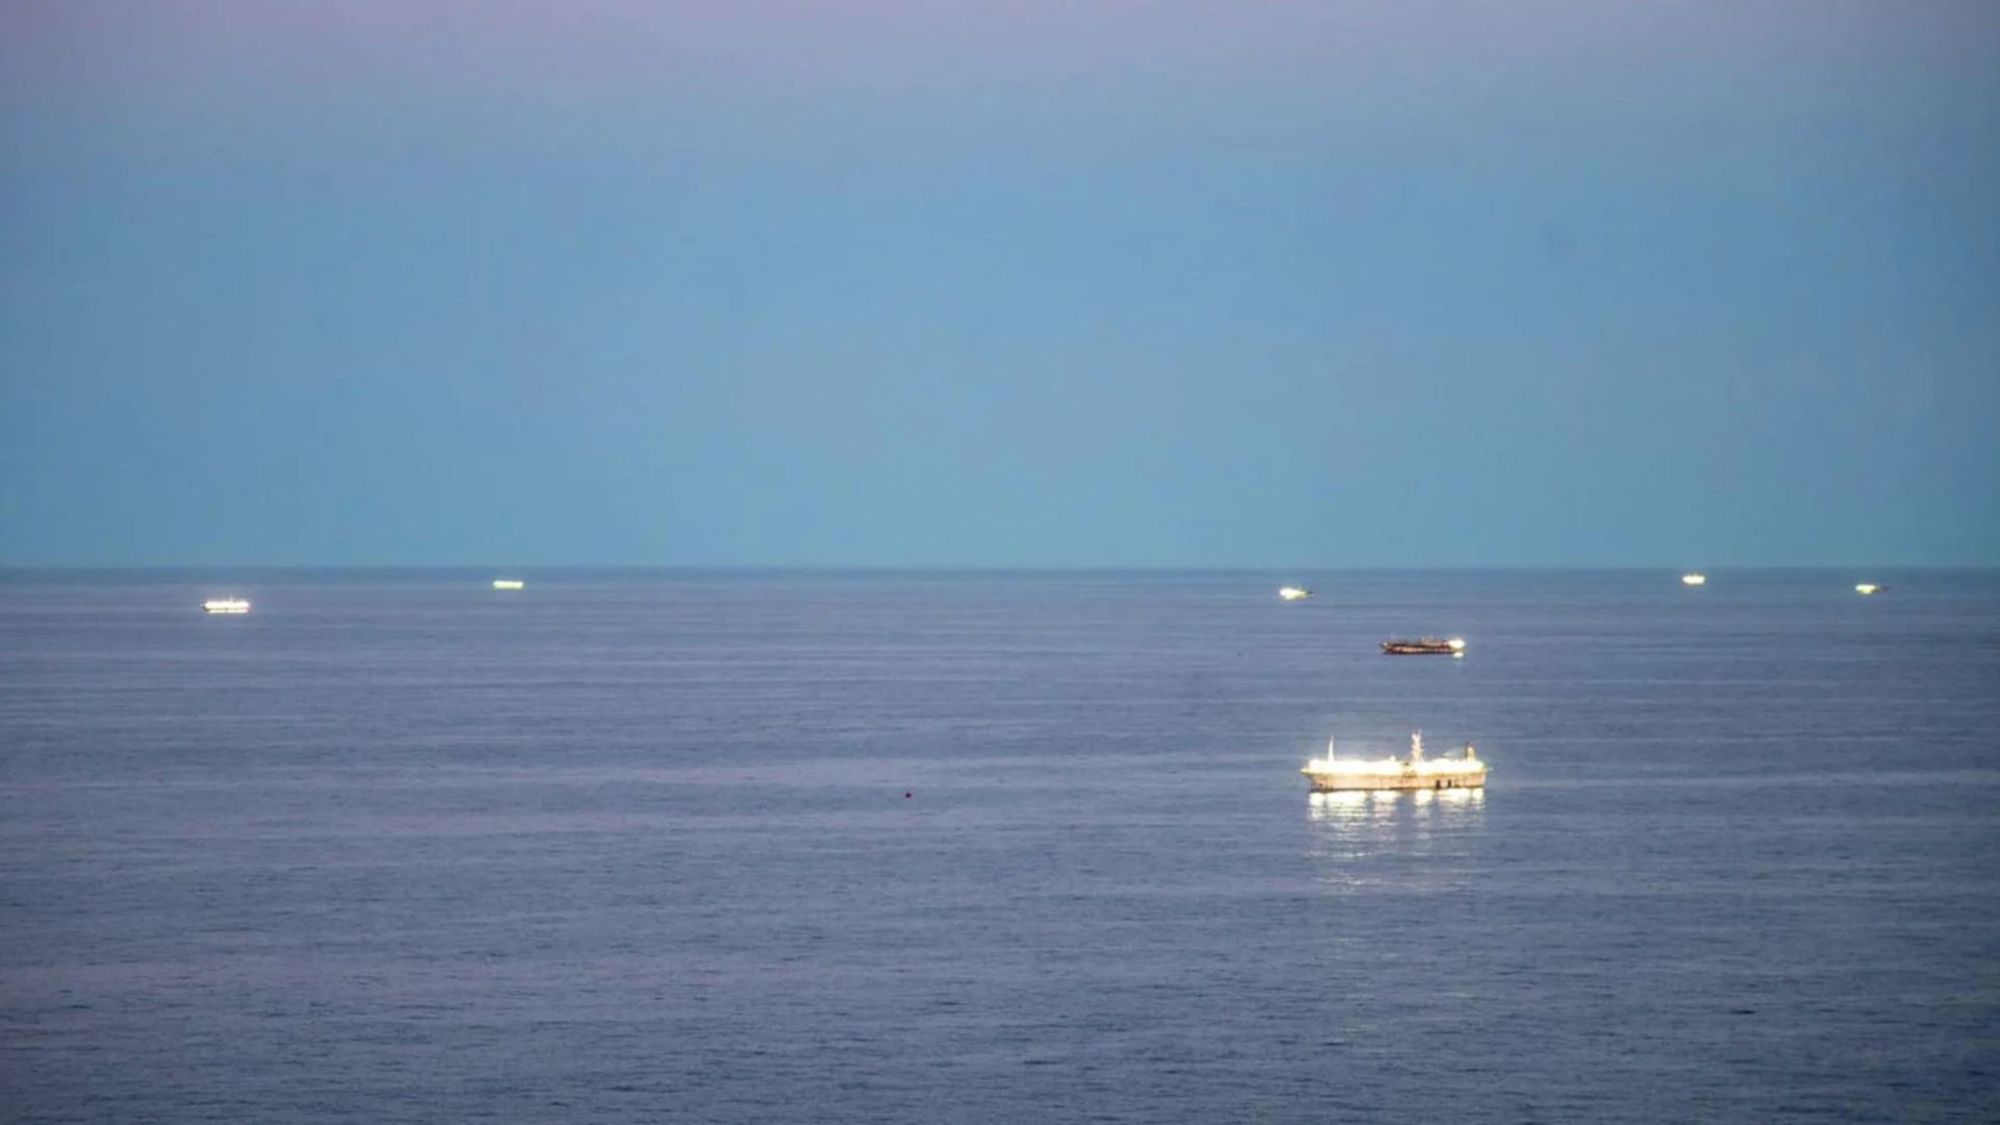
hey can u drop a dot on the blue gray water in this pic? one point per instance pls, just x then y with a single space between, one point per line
636 847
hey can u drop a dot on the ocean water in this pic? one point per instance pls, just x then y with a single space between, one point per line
914 847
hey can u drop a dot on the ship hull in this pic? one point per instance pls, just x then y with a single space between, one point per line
1349 783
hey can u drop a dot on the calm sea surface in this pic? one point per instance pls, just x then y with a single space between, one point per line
637 847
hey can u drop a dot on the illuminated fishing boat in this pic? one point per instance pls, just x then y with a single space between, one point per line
225 605
1333 775
1294 593
1425 646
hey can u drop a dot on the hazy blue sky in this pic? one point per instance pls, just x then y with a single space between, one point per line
894 282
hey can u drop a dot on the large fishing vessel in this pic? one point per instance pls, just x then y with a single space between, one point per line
1425 646
1331 774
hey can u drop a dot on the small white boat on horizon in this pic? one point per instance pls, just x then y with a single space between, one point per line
1294 593
226 605
508 584
1693 579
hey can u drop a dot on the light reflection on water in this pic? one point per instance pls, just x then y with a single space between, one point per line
1350 829
1383 803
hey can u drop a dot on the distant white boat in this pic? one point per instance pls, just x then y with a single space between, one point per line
1294 593
1694 579
1333 775
226 605
1867 588
508 584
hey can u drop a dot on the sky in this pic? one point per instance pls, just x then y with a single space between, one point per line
906 283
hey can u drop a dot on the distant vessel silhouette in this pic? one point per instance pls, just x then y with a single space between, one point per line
1425 646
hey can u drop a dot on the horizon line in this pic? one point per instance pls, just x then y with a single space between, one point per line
979 568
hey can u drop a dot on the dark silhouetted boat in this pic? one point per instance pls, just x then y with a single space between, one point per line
1426 646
